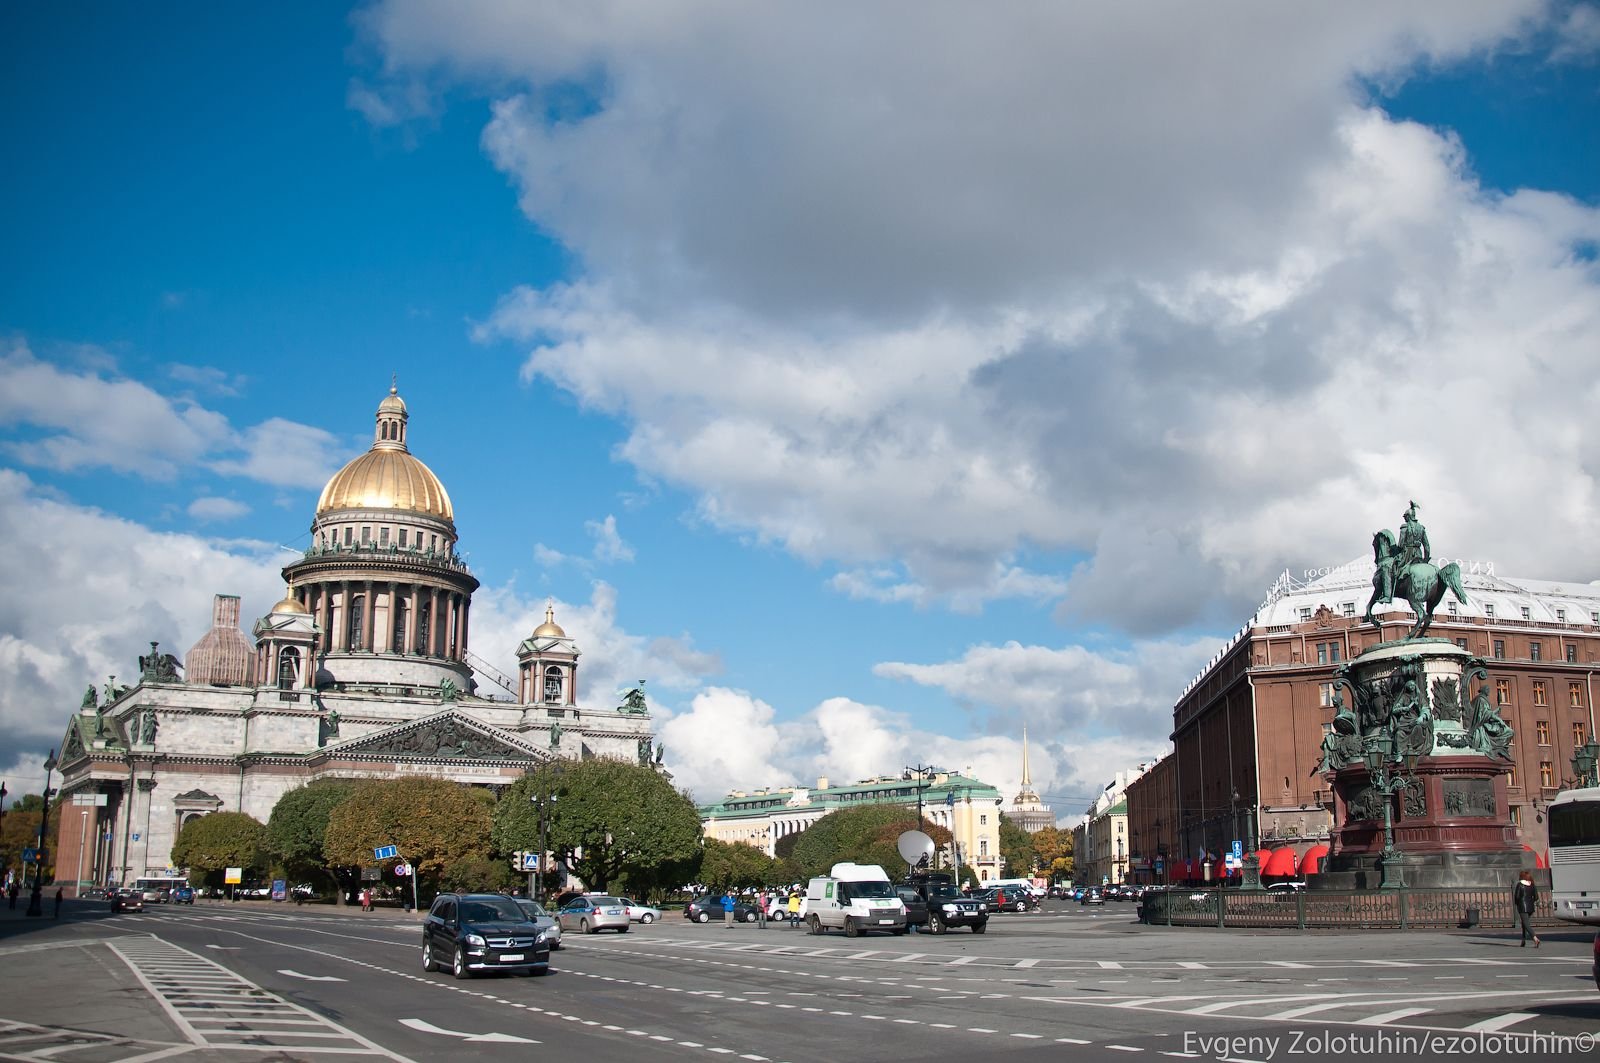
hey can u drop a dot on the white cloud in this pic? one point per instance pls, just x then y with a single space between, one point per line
1579 35
608 544
286 454
212 508
548 557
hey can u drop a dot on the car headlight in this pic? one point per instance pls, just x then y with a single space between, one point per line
475 941
951 908
982 907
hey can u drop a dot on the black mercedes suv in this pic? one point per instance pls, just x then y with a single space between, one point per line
474 932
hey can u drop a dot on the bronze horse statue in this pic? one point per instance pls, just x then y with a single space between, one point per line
1420 583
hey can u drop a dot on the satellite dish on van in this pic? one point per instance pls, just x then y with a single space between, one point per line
913 846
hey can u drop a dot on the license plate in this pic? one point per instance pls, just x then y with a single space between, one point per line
1585 905
511 957
885 922
614 911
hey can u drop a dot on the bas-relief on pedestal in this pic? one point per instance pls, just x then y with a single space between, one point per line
1418 757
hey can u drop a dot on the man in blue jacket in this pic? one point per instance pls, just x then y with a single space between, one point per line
727 908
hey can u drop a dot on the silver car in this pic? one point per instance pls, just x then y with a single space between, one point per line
592 914
640 913
542 919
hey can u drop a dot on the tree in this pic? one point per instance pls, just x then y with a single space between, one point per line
297 828
606 819
1053 849
210 844
1016 847
21 831
866 835
435 823
734 865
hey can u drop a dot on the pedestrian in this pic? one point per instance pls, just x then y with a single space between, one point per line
1525 898
366 900
12 893
57 914
794 909
761 910
727 908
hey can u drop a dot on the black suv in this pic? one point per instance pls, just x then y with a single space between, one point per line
947 906
473 932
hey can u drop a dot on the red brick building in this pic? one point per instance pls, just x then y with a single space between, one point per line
1248 731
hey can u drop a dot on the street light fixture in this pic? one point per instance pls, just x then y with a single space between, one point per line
1388 773
1250 863
920 772
35 905
1585 759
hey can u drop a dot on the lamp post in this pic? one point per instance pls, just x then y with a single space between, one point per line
35 905
1383 774
546 797
83 837
1585 759
1250 863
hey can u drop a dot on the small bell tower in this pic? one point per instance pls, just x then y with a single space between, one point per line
547 666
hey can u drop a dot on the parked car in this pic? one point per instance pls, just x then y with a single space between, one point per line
590 915
183 895
709 909
1092 896
477 932
640 913
127 901
1006 899
542 919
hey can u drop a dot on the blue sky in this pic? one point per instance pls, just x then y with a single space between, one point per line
871 399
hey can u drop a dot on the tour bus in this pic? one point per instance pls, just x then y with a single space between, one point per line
158 889
1574 818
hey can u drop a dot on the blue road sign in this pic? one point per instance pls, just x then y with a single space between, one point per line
29 855
1238 848
386 852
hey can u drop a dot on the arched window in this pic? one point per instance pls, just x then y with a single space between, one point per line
402 612
358 608
288 668
552 684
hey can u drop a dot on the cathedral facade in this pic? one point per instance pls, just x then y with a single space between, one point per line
362 671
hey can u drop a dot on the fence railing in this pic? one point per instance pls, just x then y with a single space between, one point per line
1400 909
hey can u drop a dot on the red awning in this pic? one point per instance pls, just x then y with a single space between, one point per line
1311 861
1262 856
1538 861
1280 863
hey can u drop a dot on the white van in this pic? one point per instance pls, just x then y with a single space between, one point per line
854 898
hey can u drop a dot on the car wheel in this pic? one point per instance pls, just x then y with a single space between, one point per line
647 918
459 967
850 928
427 956
978 928
585 928
814 924
703 917
936 925
623 929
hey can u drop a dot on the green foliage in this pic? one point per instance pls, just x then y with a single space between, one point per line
220 840
1053 849
735 865
866 835
28 803
21 831
479 874
1016 847
297 828
624 819
434 823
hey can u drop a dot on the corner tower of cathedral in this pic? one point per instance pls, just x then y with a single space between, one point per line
381 578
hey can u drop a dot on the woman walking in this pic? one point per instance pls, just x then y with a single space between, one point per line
1525 898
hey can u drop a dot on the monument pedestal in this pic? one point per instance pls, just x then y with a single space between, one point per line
1445 797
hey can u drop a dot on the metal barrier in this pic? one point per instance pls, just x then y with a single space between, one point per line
1400 909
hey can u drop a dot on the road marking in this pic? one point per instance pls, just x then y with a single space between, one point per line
1288 963
1309 1009
1391 1016
1109 965
1025 963
1500 1022
505 1038
313 977
1190 965
961 960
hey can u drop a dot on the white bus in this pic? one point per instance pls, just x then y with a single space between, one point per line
158 888
1574 818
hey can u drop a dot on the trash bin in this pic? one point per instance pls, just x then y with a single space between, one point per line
1471 919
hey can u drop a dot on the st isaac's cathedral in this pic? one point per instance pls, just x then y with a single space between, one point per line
361 671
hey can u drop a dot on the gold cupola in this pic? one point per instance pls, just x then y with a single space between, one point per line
549 629
388 476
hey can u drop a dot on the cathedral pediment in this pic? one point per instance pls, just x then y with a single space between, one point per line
448 735
198 797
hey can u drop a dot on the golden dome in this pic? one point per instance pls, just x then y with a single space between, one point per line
290 604
387 478
549 629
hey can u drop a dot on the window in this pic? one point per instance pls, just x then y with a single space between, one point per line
348 534
1575 696
383 535
1333 652
1511 779
1547 773
983 846
1502 691
1542 729
1561 616
1325 695
1327 729
1322 653
1461 643
1572 654
289 669
1580 734
1527 614
1488 610
1453 609
1539 693
983 821
1535 652
433 543
1594 616
366 533
358 606
552 683
1348 608
402 538
1516 810
1305 613
1500 648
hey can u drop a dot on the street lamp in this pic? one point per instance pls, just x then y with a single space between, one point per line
545 798
1383 775
1585 758
83 839
35 906
1250 863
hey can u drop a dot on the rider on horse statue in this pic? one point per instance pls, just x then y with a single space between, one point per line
1405 570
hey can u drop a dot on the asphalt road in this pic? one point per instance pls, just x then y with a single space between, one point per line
265 982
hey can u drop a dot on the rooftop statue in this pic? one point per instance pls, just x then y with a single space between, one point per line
633 702
1405 569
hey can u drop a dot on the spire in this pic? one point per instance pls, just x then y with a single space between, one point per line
1026 781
